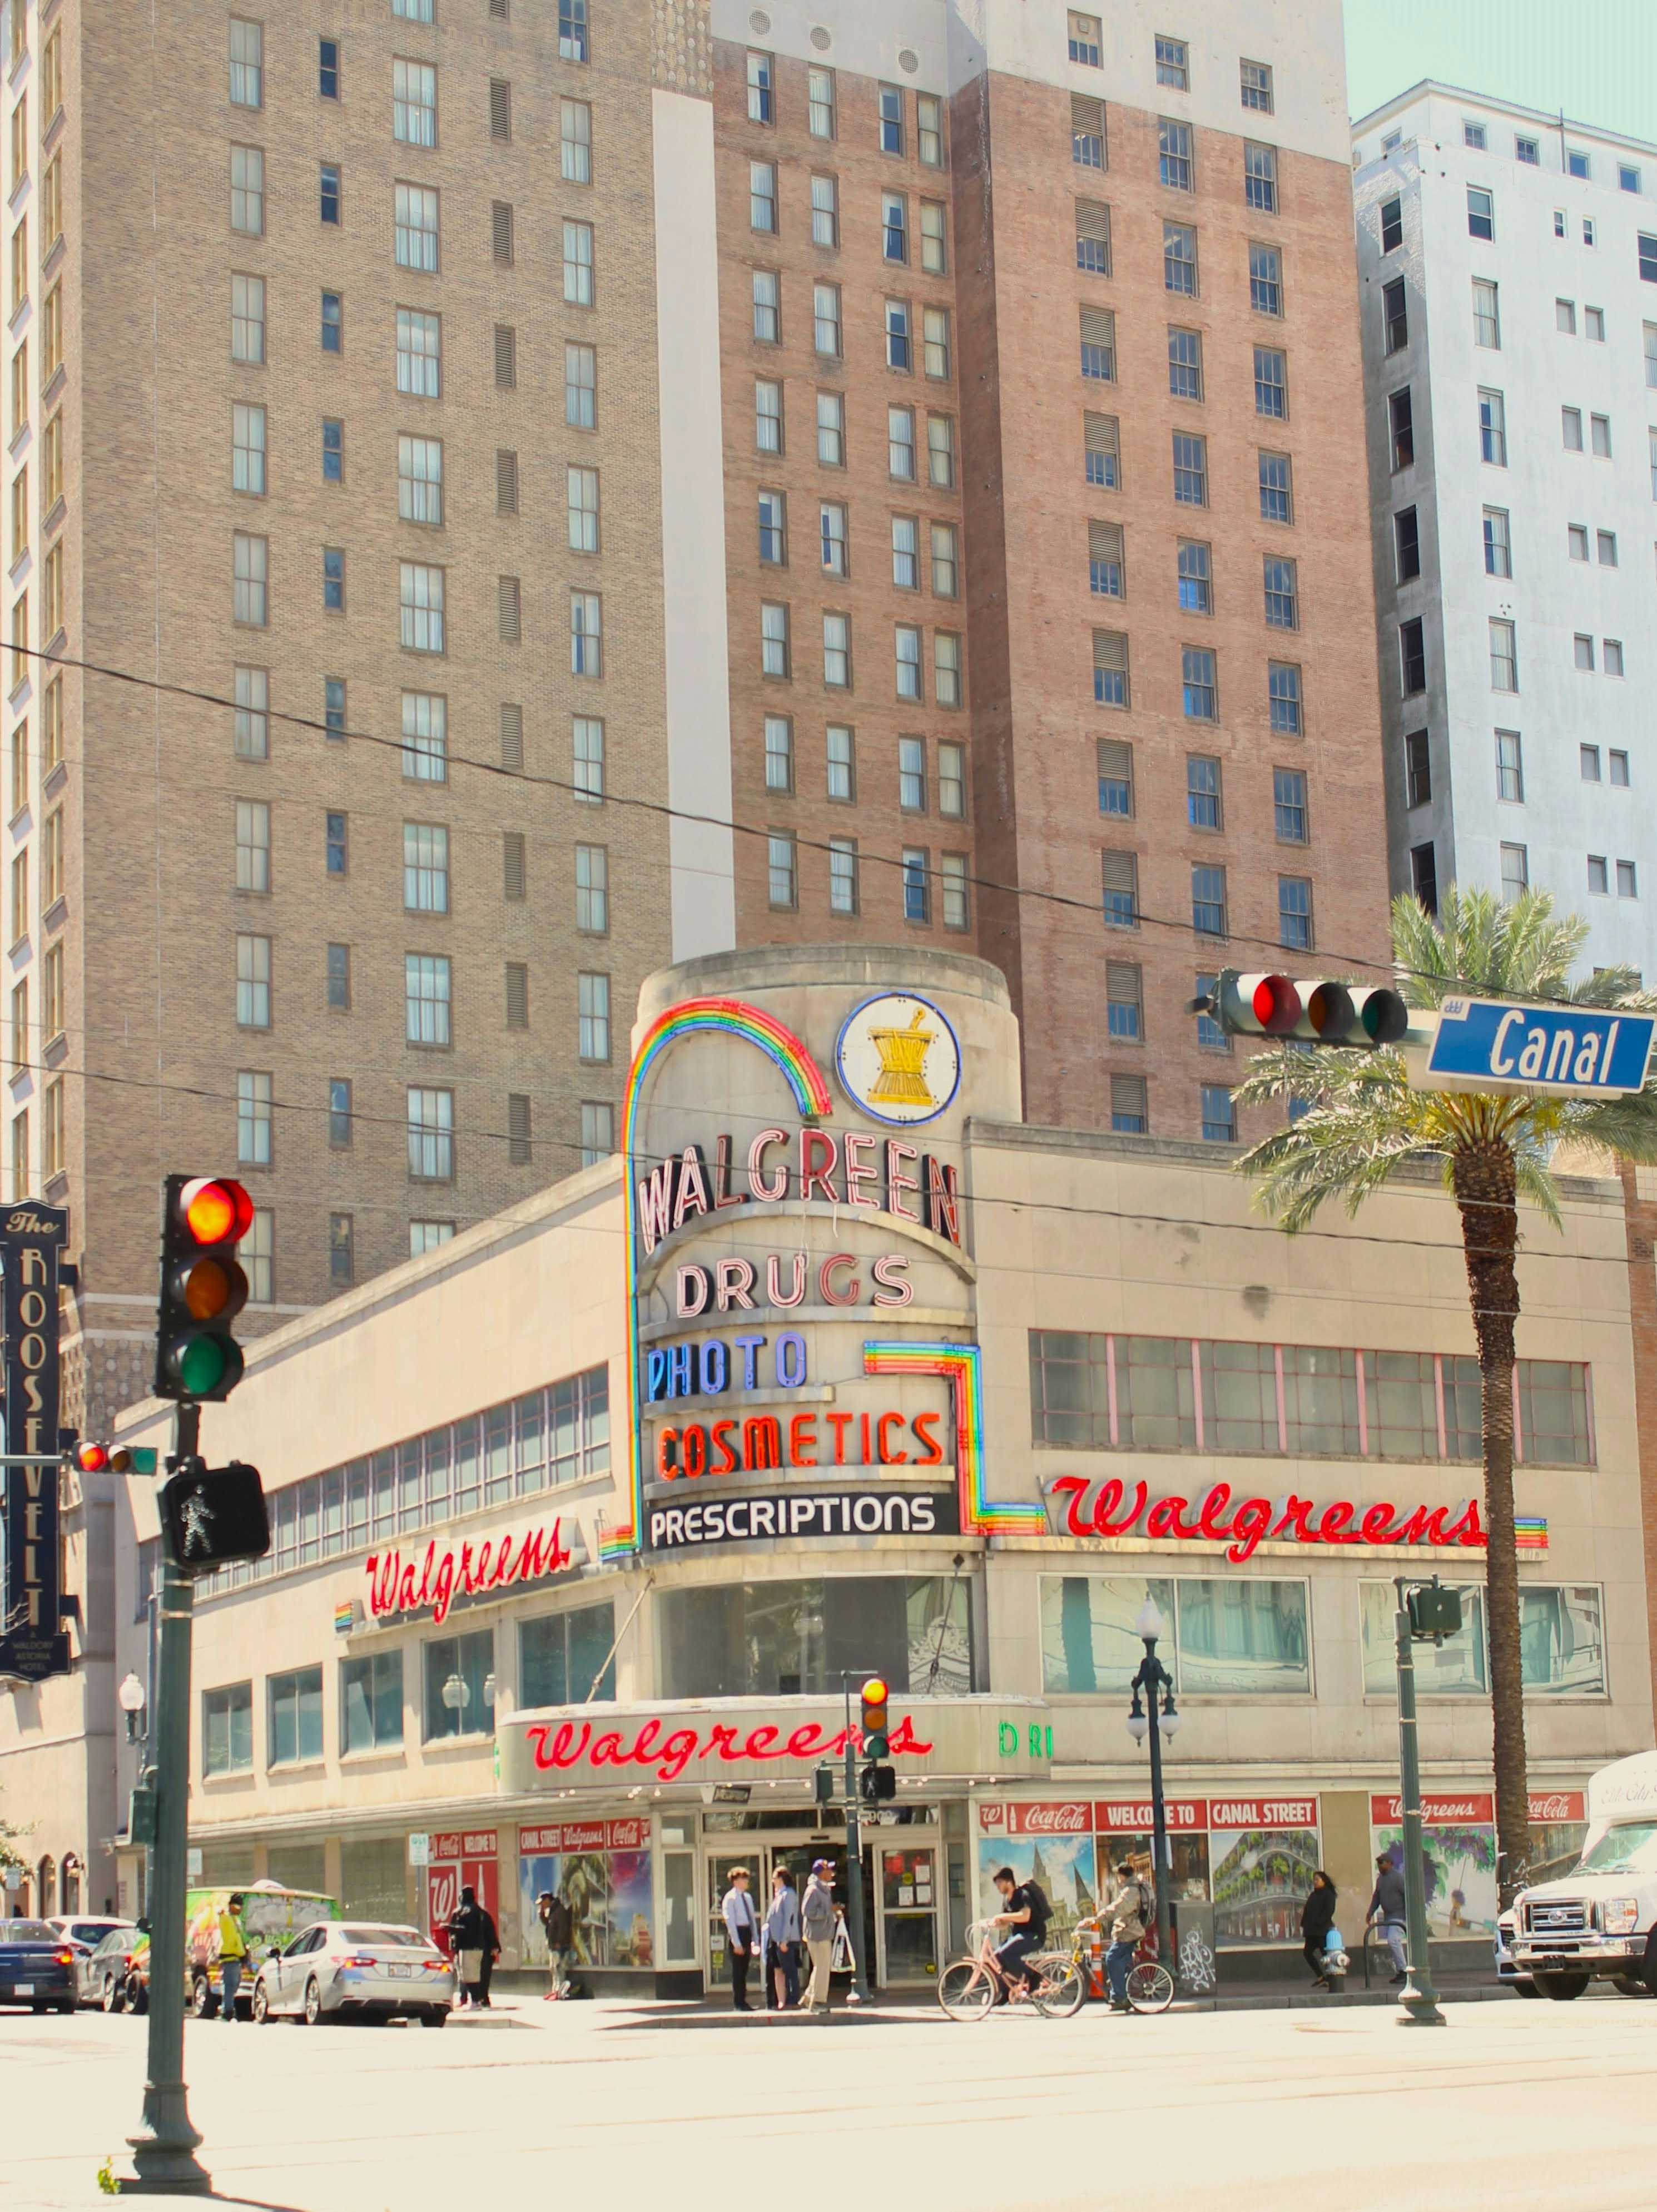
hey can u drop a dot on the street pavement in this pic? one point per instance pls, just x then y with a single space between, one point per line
620 2106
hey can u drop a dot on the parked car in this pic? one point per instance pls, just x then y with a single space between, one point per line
351 1967
270 1919
85 1932
37 1966
1509 1971
103 1973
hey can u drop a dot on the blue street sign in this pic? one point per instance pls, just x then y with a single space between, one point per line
1567 1052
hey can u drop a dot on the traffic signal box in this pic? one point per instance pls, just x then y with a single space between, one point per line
203 1288
1312 1011
212 1515
878 1780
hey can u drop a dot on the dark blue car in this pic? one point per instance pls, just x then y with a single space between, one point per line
37 1966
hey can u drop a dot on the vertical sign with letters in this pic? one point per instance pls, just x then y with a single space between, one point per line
32 1643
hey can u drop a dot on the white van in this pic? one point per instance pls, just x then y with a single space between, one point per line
1599 1920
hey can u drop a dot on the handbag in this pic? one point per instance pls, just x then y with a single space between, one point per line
840 1960
471 1965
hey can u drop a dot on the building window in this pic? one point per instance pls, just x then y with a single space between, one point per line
597 1132
1202 797
1423 876
1190 470
1412 655
252 848
586 639
893 227
1084 40
1584 651
341 1250
1124 1000
1401 423
820 103
431 1134
1570 428
1219 1114
1270 382
414 103
370 1694
825 318
774 657
253 727
1406 543
568 1658
258 1253
842 875
781 884
424 867
592 1013
1098 326
891 118
1509 766
1174 144
906 555
1200 694
917 886
908 643
1195 579
1504 656
1487 321
333 579
1179 259
1105 565
831 430
333 706
1093 237
251 563
591 890
1395 316
1110 668
897 334
575 142
1184 363
582 510
837 651
831 528
339 977
934 238
825 213
1284 695
425 738
1599 875
1515 872
842 763
419 354
1295 913
1265 280
253 1120
1481 213
929 129
246 63
1611 656
1589 762
425 999
466 1660
228 1730
1257 86
247 319
1261 178
1627 880
1173 65
254 983
1527 151
333 451
946 669
779 753
1289 801
1277 487
1208 915
420 480
1600 427
577 264
587 742
293 1708
1392 225
1100 443
761 196
767 419
415 228
1493 429
329 191
1086 132
339 1113
1606 547
1498 548
762 78
1282 594
935 346
420 607
580 387
912 775
246 191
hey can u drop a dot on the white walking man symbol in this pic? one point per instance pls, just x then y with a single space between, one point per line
196 1517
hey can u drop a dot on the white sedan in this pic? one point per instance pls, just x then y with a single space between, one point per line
352 1968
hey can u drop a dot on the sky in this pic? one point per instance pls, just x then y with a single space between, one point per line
1596 58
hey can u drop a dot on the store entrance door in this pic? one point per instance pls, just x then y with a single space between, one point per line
762 1858
908 1914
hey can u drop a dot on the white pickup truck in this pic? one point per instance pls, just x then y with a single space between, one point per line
1600 1921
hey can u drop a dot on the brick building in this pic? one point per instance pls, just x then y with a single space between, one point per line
894 432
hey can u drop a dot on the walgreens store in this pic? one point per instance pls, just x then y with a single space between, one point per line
582 1521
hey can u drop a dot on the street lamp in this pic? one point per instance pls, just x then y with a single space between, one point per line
1154 1682
132 1700
456 1696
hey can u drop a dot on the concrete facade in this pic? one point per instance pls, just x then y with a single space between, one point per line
1528 765
1088 1264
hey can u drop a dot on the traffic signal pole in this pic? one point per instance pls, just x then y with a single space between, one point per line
165 2146
1419 1998
853 1858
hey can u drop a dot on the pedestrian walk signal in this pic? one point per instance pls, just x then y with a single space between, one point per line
214 1516
1312 1011
204 1287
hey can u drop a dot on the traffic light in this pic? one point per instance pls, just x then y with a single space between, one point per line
211 1516
203 1287
878 1785
1311 1010
118 1459
876 1741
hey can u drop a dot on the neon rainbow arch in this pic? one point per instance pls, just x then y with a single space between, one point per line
725 1018
963 1364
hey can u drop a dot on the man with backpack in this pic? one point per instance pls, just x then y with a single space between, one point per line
1027 1914
1130 1908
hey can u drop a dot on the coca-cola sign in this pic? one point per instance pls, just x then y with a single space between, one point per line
585 1836
471 1844
1058 1817
1549 1805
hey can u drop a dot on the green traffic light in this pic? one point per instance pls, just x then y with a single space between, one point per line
200 1365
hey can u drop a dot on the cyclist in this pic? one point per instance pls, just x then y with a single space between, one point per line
1129 1907
1027 1914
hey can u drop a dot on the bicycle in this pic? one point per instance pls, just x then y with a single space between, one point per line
970 1988
1150 1986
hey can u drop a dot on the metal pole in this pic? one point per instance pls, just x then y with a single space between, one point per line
164 2147
1420 1999
853 1858
1156 1674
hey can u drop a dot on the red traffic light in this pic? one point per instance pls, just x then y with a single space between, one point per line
92 1459
1258 1006
215 1211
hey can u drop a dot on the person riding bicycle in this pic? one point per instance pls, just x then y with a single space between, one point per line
1129 1908
1027 1914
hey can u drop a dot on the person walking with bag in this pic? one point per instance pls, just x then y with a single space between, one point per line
1386 1908
782 1942
1317 1918
818 1920
1130 1907
742 1924
471 1938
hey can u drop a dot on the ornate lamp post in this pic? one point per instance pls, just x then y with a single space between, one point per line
1153 1681
132 1699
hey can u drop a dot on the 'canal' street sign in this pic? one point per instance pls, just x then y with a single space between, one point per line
1566 1051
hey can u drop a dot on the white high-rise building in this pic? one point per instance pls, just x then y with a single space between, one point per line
1508 263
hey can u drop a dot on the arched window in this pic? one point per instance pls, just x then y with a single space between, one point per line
68 1885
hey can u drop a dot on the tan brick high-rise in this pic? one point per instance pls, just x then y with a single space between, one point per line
846 423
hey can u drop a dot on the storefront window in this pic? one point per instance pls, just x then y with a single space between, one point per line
784 1639
294 1704
1561 1642
559 1656
1236 1636
601 1869
371 1701
372 1878
1454 1668
469 1663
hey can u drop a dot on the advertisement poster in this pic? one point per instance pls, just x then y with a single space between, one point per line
1458 1851
601 1869
465 1860
1063 1864
1263 1854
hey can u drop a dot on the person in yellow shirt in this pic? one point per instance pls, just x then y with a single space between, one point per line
233 1952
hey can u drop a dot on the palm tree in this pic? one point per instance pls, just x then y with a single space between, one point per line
1359 1123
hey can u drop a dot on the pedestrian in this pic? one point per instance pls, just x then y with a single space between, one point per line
1130 1907
782 1940
1387 1912
742 1924
475 1947
1317 1918
233 1952
818 1920
553 1914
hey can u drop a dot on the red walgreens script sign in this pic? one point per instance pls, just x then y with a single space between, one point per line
1479 1808
585 1836
1263 1813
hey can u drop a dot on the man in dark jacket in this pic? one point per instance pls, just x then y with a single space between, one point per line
474 1945
553 1915
1386 1908
1317 1918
